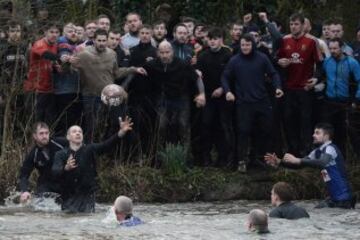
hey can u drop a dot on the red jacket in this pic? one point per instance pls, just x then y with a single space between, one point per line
40 69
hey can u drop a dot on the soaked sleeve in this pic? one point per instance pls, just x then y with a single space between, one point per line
26 170
100 148
59 163
275 213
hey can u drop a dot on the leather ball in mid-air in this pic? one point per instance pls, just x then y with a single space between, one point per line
113 95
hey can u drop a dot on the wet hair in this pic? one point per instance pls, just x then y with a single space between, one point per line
259 219
284 191
100 32
216 32
327 128
38 125
177 26
297 16
338 40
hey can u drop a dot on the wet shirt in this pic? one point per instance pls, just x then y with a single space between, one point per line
130 222
82 179
41 158
288 210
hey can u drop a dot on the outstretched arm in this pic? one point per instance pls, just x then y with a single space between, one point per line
125 126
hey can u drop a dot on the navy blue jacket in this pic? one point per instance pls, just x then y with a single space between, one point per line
249 73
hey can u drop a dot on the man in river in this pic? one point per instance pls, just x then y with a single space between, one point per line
40 157
76 167
330 160
258 221
281 197
123 208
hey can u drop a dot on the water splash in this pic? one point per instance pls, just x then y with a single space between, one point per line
46 202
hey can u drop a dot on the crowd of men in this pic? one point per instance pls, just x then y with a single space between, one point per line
186 85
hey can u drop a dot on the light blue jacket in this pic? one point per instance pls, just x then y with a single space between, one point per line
338 74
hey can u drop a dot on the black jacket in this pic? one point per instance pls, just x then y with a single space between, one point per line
83 178
42 159
175 81
212 64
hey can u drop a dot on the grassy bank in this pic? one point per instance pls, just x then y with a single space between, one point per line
174 182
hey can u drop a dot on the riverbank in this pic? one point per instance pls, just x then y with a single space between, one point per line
180 184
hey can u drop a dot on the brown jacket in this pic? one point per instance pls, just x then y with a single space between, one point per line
98 69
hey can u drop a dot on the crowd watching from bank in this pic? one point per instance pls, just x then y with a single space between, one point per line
235 90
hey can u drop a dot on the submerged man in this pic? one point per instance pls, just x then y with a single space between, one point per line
327 157
76 167
40 157
281 197
123 208
258 221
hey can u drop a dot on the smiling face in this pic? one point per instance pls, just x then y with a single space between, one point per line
70 33
245 46
90 30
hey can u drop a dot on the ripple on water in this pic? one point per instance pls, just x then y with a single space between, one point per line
187 221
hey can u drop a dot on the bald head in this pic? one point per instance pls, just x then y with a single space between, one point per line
75 135
165 45
258 221
123 207
165 52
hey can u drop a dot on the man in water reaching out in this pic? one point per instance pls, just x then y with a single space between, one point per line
76 168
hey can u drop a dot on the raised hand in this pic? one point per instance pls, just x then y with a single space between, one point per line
125 125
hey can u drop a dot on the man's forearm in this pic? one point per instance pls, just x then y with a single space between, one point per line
200 86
